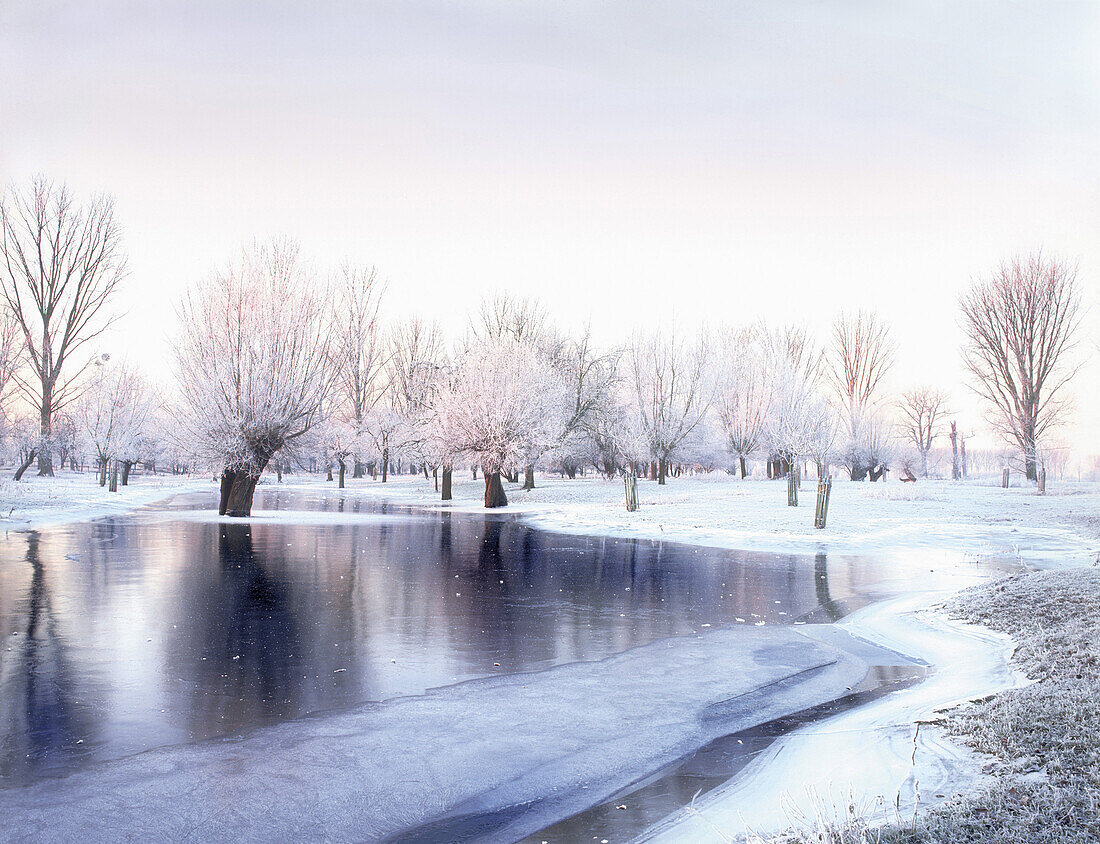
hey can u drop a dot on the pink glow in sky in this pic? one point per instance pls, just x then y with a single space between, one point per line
624 162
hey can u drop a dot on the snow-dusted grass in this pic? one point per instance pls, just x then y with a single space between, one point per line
72 496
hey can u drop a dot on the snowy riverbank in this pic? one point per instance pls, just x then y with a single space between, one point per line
36 502
972 518
937 517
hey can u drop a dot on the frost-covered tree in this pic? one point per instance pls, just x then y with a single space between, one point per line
338 442
503 403
24 440
742 396
254 364
114 410
360 355
11 347
672 390
922 411
793 367
62 263
592 378
859 358
505 317
416 360
525 321
1021 325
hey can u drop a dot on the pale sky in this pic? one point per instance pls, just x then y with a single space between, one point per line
625 162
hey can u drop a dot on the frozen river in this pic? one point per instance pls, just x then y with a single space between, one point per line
464 675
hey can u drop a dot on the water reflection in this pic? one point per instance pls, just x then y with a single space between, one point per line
158 628
45 720
235 649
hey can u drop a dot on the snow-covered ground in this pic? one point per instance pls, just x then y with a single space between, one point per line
973 518
932 516
69 497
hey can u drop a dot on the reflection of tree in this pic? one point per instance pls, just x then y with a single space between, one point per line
244 644
821 585
47 715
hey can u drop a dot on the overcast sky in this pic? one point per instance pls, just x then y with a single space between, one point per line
629 162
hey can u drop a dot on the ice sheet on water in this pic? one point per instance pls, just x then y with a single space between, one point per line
551 742
869 753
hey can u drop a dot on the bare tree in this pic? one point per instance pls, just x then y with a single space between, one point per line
62 263
113 412
1021 323
922 410
796 417
742 397
860 356
254 365
669 378
11 347
361 353
592 378
503 316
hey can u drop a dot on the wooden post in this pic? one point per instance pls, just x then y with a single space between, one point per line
630 482
821 511
1004 479
1042 480
792 488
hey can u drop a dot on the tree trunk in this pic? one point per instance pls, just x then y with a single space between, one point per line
741 460
529 477
329 476
473 471
494 489
25 464
435 478
127 465
1031 468
425 471
661 466
223 493
385 464
653 470
953 436
237 491
343 467
447 473
357 470
45 457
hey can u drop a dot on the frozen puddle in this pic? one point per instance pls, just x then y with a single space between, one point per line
874 754
498 757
